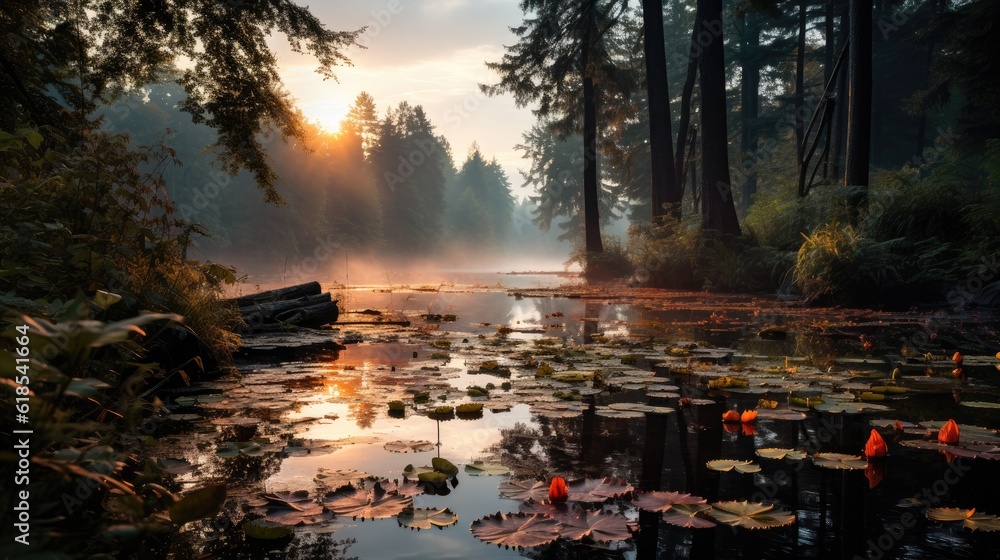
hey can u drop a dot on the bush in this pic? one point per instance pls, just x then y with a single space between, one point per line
609 264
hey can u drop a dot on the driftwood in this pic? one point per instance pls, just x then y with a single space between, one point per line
302 306
281 294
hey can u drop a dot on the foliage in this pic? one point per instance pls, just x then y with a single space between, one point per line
609 264
91 247
84 56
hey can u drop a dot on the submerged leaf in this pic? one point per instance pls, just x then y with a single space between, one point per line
201 503
425 518
409 446
266 530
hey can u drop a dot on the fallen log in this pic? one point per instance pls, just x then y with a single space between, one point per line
281 294
266 312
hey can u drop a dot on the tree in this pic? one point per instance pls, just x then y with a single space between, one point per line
716 187
560 59
410 164
859 112
480 205
666 195
362 120
62 60
555 177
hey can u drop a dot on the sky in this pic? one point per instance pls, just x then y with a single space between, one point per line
427 52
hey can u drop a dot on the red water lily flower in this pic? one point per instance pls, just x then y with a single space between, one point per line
731 427
558 491
949 432
957 358
876 446
748 416
731 416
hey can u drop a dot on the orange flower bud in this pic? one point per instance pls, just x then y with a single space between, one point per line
876 445
957 358
949 433
731 416
558 491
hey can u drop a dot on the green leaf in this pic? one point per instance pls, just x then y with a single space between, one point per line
105 300
445 466
203 502
479 468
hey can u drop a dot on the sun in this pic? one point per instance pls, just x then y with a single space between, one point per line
327 114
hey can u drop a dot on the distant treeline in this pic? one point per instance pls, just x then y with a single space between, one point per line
385 185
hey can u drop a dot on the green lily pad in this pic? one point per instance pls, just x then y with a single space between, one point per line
479 468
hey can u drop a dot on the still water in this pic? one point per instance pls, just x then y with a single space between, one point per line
318 406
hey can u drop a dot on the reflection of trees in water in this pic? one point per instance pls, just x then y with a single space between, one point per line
582 447
225 540
242 469
364 414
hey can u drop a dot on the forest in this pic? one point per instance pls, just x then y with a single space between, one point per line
718 209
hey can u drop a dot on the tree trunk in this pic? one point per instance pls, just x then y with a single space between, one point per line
840 118
666 196
859 112
828 57
749 104
591 214
800 99
686 94
716 185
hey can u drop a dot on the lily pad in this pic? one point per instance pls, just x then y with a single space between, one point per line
479 468
409 446
751 515
445 466
839 461
968 517
337 478
366 504
689 516
523 490
779 453
663 501
981 404
425 518
726 465
516 530
597 490
599 526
